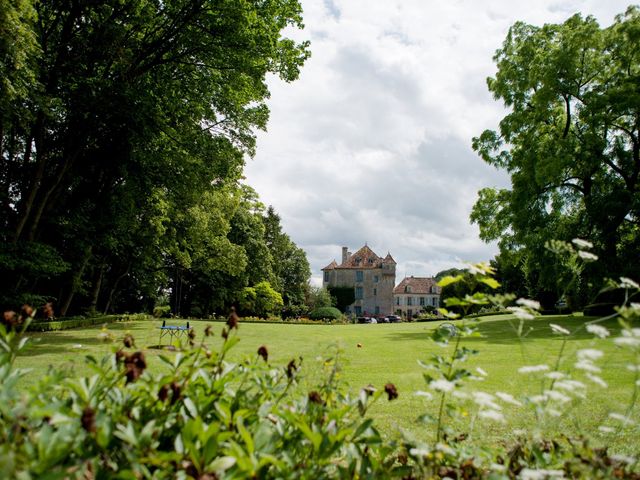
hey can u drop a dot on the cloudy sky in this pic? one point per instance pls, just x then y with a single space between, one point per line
373 142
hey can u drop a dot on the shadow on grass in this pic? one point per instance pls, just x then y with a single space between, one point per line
63 341
504 330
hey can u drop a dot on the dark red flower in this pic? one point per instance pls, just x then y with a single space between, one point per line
134 364
291 368
391 390
129 341
88 419
233 319
263 352
315 397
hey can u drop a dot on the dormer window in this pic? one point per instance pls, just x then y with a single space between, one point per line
407 289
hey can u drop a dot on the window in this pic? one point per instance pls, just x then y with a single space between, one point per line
359 275
409 301
375 279
358 292
358 310
409 313
326 276
407 289
377 310
422 301
375 292
435 301
397 300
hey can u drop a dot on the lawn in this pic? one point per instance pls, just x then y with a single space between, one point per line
389 353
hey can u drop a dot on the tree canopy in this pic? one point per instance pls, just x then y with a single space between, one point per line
571 144
124 127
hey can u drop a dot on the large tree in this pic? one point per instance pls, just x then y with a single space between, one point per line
123 131
571 143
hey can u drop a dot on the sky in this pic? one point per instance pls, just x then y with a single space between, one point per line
372 144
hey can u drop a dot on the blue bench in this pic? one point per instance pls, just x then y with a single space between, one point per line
174 331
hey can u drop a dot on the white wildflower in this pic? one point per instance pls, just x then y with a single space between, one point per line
559 330
598 330
533 368
521 313
505 397
481 372
520 432
621 418
496 467
587 256
444 448
555 375
569 385
605 429
419 452
557 396
633 368
538 399
77 345
442 385
553 412
540 474
426 395
598 380
587 366
460 395
492 415
589 354
580 243
623 458
626 282
525 302
627 342
485 400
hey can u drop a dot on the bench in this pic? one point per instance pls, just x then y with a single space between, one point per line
174 331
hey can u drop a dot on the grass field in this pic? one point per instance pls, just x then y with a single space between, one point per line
389 353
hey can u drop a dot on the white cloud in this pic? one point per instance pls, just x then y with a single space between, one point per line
373 142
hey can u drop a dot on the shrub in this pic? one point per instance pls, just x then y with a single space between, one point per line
162 311
203 417
325 313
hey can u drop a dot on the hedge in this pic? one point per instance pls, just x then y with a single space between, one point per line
78 322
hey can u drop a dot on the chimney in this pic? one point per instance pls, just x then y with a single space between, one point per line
345 254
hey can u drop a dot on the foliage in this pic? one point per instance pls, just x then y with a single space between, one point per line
72 322
124 127
318 297
205 417
261 300
344 296
290 266
325 313
571 145
162 311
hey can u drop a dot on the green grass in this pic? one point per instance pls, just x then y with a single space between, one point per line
389 353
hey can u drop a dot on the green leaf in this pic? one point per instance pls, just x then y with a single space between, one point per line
448 280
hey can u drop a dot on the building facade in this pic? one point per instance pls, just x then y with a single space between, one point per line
372 278
415 294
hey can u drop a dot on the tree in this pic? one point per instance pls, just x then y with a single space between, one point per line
290 265
261 300
124 127
318 297
571 143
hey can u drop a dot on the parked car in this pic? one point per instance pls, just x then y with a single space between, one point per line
393 319
363 320
383 320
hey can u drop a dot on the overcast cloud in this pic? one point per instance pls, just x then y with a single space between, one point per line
373 142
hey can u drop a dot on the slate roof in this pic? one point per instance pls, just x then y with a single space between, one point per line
418 285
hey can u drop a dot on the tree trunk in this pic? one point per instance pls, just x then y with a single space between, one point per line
95 291
75 281
114 288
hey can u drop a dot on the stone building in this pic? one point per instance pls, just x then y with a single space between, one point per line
413 294
371 276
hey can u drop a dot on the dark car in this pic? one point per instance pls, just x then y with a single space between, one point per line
363 320
393 319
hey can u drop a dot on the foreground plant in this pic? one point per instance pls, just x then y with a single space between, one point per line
205 418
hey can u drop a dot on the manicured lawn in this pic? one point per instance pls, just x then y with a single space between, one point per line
389 353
